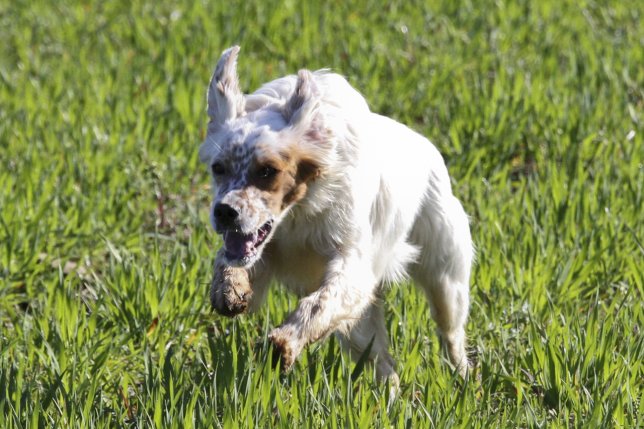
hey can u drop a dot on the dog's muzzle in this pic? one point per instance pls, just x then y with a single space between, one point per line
239 246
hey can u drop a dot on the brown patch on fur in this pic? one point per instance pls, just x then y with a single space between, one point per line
288 185
307 170
294 195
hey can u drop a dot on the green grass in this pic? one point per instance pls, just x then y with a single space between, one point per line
105 247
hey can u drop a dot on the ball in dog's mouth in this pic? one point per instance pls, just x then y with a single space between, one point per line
241 247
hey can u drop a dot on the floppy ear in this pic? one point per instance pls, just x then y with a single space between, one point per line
225 100
301 107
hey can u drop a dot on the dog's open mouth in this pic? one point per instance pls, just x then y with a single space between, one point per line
240 246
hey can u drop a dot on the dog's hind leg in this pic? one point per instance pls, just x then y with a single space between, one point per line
370 333
443 270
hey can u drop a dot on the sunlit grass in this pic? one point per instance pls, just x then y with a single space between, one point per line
105 248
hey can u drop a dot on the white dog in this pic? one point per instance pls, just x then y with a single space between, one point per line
314 190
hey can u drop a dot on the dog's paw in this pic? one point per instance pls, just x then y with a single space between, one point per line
285 348
230 291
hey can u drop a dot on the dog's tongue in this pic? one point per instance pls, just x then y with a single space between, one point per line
239 245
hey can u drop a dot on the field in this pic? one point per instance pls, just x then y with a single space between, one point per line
106 249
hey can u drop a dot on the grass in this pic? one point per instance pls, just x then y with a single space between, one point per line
105 248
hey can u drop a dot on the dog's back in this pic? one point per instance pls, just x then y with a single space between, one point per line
334 90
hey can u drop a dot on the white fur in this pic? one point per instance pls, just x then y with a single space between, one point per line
382 208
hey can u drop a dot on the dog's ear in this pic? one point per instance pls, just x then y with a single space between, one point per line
307 125
304 101
225 100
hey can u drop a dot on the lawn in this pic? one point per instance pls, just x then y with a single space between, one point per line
106 249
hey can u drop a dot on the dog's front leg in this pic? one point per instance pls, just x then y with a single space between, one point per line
235 289
347 290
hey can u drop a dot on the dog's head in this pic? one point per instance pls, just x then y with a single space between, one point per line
262 159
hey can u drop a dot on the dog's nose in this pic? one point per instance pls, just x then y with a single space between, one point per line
225 215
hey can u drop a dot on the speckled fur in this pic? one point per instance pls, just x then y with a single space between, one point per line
358 201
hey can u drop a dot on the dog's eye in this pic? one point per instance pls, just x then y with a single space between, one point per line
266 172
218 169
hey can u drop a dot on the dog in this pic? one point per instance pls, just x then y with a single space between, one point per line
314 190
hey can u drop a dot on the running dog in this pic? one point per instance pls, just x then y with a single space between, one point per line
314 190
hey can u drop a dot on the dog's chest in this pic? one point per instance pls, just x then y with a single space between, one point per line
300 268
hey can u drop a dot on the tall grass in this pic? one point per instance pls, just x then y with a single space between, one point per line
105 249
